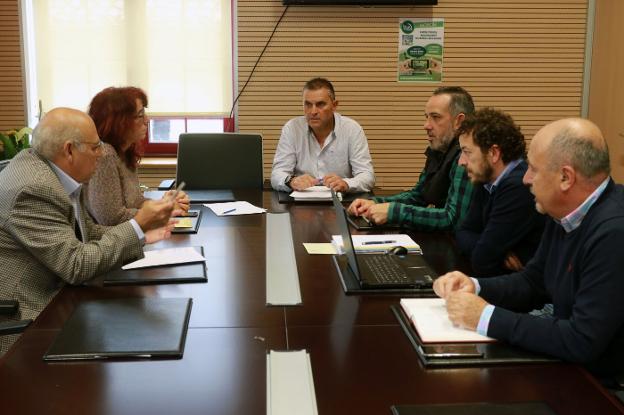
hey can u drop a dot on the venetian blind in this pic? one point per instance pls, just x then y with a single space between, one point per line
12 109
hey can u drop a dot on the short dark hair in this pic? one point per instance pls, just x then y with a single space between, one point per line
461 100
490 127
320 83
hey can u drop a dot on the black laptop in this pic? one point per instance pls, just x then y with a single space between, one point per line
213 164
375 271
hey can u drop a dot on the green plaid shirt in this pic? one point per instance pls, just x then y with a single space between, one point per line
403 210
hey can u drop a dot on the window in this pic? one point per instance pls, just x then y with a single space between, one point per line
179 52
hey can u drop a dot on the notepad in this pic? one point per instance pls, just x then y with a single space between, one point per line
184 223
431 321
169 256
312 193
378 243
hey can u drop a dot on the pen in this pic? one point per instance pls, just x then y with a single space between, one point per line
177 190
229 211
378 242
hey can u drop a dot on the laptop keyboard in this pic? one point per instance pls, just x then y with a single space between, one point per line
384 269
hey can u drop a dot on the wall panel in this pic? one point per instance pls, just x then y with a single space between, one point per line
12 108
525 57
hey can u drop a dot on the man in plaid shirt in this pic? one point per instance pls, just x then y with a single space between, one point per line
442 195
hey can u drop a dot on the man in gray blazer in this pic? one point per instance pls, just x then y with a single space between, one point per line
47 238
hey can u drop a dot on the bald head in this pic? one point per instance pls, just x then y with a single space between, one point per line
58 126
576 142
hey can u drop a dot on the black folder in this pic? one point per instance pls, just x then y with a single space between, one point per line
164 274
488 353
123 328
478 408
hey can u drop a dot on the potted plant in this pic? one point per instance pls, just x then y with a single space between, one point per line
13 141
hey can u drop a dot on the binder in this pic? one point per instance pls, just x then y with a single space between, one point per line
457 355
123 328
166 274
478 408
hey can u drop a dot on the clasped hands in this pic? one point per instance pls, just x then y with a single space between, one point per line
331 180
464 307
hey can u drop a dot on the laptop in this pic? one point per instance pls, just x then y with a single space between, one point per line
375 271
213 164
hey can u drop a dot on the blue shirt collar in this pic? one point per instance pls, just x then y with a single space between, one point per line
70 185
490 187
573 219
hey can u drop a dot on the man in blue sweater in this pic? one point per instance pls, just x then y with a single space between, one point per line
502 229
577 266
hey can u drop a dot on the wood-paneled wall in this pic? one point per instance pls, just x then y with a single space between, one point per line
12 108
525 57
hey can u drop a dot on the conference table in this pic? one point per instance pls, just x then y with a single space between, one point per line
362 362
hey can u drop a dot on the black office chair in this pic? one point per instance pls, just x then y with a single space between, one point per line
220 161
7 308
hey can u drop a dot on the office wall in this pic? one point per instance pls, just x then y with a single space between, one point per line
525 57
12 108
606 97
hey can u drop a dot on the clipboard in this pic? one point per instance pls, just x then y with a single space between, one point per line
166 274
284 197
195 220
481 354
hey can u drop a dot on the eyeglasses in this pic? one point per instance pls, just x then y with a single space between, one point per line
140 116
93 146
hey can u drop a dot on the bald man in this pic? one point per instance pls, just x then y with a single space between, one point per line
577 266
47 238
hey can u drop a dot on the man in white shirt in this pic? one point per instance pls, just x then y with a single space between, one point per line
322 147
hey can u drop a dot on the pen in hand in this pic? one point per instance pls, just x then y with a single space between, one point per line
378 242
178 189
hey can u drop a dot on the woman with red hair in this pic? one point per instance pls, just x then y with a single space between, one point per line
113 193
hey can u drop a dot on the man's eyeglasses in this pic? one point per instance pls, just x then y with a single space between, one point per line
93 146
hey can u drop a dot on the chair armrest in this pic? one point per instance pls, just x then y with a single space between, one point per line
8 307
13 327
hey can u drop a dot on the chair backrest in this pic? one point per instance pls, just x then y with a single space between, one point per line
4 163
220 161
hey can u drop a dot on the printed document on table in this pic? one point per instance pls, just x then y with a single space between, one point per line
431 321
234 208
169 256
378 243
312 193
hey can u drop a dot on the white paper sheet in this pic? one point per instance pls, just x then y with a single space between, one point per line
430 318
234 208
167 256
378 243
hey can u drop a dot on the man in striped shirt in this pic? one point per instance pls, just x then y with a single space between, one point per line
442 195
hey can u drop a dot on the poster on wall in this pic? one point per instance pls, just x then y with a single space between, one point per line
421 47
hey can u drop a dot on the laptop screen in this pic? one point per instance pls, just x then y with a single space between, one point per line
347 242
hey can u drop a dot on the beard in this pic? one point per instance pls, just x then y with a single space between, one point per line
483 176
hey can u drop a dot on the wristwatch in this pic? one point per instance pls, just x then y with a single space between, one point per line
288 180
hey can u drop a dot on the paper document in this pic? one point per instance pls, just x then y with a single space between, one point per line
169 256
313 193
320 248
184 223
431 321
234 208
378 243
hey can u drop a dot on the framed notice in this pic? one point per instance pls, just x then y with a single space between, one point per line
421 50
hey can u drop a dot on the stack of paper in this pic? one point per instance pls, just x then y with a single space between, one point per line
431 321
378 243
234 208
313 193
